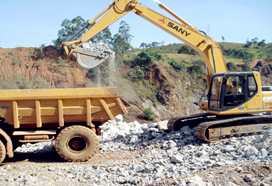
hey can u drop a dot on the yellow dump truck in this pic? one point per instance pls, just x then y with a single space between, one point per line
71 117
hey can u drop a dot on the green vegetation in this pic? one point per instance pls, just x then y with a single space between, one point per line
41 53
232 67
146 57
245 67
187 50
254 43
16 61
136 73
149 114
177 66
10 54
15 83
150 45
120 42
60 61
31 52
197 70
69 28
238 53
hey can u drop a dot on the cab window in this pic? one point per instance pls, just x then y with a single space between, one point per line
234 93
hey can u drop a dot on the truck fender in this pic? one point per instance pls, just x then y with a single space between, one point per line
9 145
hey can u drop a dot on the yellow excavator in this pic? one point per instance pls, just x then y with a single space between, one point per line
236 100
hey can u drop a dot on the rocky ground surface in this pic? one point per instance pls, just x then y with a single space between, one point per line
143 154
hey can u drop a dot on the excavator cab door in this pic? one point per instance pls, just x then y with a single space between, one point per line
230 90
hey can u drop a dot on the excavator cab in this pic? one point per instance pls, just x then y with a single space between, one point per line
231 90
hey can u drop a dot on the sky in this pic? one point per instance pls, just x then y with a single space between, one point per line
31 23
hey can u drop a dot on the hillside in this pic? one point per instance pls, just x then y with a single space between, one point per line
169 86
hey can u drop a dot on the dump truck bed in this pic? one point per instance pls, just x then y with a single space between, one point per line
46 108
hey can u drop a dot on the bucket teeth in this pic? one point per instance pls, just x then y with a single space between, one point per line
91 54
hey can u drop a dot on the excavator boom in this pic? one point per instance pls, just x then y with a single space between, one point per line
203 44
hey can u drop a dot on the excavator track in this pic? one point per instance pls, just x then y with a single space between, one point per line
179 122
211 128
213 131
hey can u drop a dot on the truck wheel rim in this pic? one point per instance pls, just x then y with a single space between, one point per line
77 144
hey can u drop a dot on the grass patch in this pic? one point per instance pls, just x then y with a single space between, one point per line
16 61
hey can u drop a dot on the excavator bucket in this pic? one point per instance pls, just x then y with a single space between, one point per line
91 54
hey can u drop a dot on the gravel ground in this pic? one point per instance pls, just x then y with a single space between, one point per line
143 154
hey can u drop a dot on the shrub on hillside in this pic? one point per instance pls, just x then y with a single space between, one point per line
136 73
149 114
232 67
245 67
177 66
148 56
187 50
197 69
41 53
199 66
241 53
16 61
60 60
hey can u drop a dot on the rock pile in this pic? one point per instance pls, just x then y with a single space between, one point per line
162 156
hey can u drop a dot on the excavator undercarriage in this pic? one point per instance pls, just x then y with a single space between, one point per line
212 128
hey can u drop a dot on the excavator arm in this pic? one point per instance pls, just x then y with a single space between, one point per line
209 50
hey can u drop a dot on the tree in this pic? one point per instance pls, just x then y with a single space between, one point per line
69 28
121 41
255 41
143 45
41 53
261 43
119 45
103 37
248 44
154 44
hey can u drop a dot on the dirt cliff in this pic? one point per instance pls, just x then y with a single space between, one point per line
26 67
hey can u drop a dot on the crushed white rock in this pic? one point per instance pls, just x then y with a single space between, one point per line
167 155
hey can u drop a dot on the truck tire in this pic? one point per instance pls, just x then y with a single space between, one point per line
76 143
2 151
